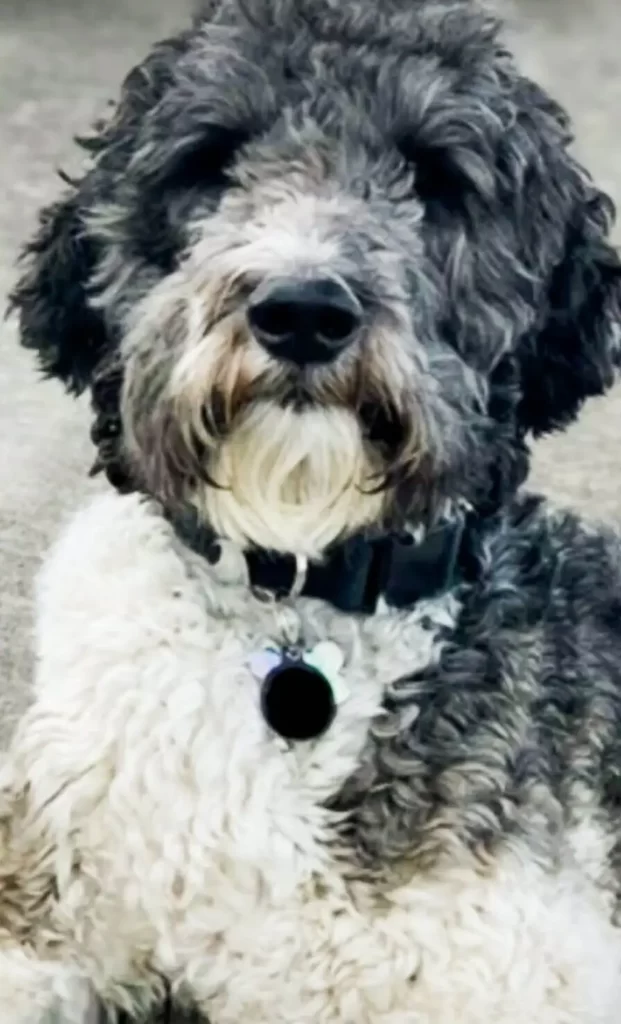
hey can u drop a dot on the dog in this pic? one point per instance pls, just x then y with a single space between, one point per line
327 711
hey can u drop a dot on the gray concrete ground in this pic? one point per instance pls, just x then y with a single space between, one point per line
59 61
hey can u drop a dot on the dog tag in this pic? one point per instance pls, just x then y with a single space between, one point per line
299 693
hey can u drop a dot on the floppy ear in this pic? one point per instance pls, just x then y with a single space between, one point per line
55 317
576 346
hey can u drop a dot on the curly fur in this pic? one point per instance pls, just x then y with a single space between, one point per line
446 850
450 849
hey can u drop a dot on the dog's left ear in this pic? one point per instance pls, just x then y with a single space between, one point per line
56 319
576 346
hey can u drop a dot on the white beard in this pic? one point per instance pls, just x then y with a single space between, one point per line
292 481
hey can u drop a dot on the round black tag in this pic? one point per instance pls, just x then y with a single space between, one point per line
297 701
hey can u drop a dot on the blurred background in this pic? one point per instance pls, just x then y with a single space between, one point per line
60 60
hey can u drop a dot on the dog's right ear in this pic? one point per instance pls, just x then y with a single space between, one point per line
51 297
55 317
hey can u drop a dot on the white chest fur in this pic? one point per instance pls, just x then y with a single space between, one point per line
204 845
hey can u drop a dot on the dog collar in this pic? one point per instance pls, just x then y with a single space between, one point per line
355 575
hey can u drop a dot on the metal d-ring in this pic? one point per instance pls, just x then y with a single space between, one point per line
299 579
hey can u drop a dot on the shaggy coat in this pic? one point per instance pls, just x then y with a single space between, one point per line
450 848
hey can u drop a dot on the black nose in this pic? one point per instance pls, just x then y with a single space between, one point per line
304 321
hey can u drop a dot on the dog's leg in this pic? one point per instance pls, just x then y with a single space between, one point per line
36 987
41 981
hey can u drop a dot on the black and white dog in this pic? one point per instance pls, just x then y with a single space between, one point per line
327 723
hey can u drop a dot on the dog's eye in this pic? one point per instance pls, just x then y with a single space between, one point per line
206 162
438 180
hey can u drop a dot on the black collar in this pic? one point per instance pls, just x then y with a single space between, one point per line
354 575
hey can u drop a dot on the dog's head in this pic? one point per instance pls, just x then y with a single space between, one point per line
331 265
